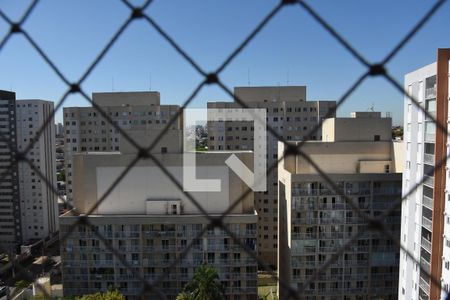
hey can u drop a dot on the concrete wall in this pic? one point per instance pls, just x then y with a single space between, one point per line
284 222
271 93
171 140
94 173
398 149
379 166
126 98
342 157
356 129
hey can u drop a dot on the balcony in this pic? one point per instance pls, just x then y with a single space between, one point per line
127 234
333 206
384 276
304 206
218 247
427 223
241 290
428 159
428 180
304 236
430 93
361 191
430 137
93 263
129 248
425 265
385 290
305 221
425 286
355 220
428 202
101 277
382 204
331 235
387 191
385 248
426 244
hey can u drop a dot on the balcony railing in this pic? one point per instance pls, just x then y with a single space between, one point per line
331 235
428 180
426 244
303 236
325 192
381 204
428 159
430 137
430 93
387 191
428 202
425 265
427 223
425 286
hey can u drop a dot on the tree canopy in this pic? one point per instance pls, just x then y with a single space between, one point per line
205 285
109 295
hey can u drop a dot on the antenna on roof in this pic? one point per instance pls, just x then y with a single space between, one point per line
372 107
248 76
150 81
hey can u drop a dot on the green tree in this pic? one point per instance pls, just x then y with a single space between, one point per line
184 296
205 285
109 295
22 284
397 132
61 176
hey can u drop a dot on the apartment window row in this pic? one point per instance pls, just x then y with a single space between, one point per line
123 113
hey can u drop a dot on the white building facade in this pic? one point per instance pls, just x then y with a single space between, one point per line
38 202
425 230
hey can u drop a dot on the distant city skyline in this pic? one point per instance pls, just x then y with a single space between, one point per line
292 49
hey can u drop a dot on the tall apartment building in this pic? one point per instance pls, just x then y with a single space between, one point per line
150 222
10 227
315 222
426 212
291 116
28 207
38 202
87 130
59 130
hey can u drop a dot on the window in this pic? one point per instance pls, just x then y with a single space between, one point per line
163 150
376 137
429 148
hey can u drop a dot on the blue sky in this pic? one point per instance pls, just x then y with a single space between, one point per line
292 49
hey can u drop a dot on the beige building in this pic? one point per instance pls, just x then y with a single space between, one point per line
151 222
292 117
315 221
86 130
